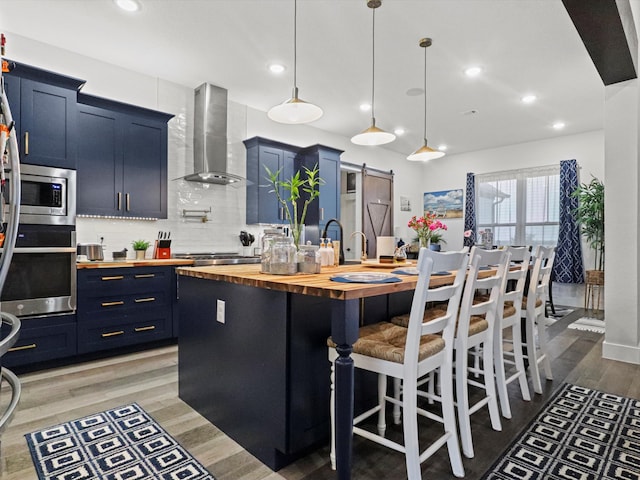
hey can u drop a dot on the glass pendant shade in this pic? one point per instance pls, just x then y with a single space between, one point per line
425 153
373 136
294 111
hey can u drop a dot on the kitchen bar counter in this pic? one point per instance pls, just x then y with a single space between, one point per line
253 354
151 262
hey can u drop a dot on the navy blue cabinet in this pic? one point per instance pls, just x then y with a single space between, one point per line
122 159
262 203
43 106
42 339
124 306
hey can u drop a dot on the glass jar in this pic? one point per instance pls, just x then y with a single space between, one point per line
309 259
266 243
283 259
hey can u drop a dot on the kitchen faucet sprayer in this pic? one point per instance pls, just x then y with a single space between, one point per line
363 256
324 235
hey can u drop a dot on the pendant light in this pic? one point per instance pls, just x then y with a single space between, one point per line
295 110
425 152
373 135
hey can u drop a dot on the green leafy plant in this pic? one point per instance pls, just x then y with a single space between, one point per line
298 189
140 244
590 216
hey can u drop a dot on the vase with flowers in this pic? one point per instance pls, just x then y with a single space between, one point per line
427 228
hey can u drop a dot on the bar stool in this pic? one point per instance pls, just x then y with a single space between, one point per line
408 354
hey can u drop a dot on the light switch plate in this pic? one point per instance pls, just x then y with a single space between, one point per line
220 311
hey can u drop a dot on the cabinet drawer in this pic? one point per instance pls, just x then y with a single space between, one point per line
121 304
154 325
113 281
43 339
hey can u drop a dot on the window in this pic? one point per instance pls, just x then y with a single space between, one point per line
521 207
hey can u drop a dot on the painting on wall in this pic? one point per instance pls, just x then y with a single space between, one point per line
444 204
405 204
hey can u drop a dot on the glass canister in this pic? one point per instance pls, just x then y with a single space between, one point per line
283 259
309 259
266 244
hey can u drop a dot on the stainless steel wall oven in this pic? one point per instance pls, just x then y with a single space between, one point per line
42 277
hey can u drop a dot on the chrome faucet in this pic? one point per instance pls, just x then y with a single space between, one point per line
324 235
363 256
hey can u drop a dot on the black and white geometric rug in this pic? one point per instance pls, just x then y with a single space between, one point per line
118 444
581 434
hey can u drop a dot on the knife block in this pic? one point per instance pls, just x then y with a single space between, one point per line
163 252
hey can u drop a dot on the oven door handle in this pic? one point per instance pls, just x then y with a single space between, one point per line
45 250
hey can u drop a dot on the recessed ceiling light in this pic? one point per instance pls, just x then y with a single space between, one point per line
276 68
559 125
128 5
399 131
473 71
442 147
529 98
365 107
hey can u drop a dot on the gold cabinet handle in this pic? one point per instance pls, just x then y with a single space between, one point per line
127 201
22 347
119 197
145 275
112 304
144 329
147 299
26 143
112 334
116 277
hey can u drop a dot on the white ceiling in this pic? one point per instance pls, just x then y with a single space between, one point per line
523 46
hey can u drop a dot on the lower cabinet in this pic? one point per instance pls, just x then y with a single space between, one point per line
42 339
124 306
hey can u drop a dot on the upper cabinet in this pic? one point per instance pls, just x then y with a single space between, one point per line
262 203
43 106
122 159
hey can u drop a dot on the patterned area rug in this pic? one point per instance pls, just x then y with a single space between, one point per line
118 444
588 324
581 434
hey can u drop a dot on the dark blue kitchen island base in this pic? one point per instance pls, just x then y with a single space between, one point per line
262 377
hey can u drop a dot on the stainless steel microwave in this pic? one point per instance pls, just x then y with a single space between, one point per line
48 195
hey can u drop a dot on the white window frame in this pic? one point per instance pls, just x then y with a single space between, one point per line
520 176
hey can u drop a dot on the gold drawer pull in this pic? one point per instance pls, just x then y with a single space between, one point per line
26 143
145 275
144 329
142 300
112 334
117 277
22 347
111 304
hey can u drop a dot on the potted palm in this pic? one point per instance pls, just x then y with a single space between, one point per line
590 216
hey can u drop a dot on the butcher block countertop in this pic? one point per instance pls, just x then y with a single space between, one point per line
319 284
135 263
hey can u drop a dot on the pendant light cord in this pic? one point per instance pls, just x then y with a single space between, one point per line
373 66
295 45
425 95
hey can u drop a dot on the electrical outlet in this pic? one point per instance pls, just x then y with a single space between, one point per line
220 311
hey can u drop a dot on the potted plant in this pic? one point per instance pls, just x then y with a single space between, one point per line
428 229
140 246
590 217
296 189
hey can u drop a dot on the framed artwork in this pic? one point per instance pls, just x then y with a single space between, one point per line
444 204
405 204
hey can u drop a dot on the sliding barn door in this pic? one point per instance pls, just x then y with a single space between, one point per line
377 206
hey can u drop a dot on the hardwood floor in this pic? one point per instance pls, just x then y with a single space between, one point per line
150 378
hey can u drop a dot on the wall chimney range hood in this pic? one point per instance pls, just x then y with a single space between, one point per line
210 137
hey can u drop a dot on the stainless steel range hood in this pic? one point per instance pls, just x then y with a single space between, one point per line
210 137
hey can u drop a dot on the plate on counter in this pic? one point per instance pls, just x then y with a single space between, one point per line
376 264
366 277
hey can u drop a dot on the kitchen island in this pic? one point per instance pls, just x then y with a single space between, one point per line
253 354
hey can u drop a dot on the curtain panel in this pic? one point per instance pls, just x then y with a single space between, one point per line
470 210
568 266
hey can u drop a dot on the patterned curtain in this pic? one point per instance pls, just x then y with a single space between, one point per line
470 210
567 267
